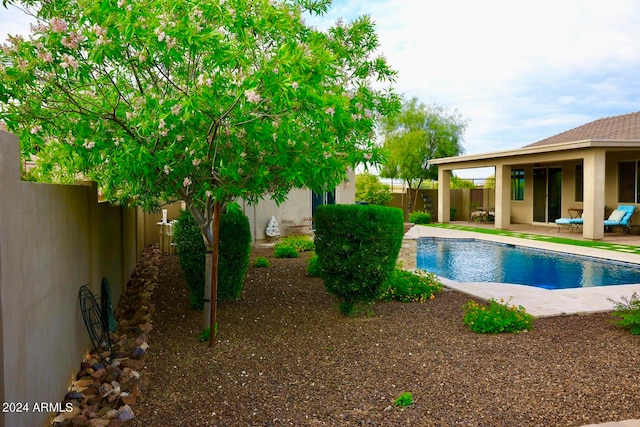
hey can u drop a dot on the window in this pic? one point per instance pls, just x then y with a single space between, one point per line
579 183
627 182
517 184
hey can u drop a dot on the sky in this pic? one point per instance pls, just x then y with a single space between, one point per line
516 71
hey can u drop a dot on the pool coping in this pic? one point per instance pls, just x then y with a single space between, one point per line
537 301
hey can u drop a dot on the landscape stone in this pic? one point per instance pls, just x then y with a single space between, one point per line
125 413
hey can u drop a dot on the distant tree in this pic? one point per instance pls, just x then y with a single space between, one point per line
490 181
457 182
369 189
414 136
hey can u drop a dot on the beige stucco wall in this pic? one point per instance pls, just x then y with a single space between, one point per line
53 239
297 206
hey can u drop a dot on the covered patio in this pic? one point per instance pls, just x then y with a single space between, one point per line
592 168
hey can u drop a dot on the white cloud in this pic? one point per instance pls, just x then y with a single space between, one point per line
519 72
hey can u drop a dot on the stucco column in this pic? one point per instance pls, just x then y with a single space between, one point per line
593 204
503 197
444 195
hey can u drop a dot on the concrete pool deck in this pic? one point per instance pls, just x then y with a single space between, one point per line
537 301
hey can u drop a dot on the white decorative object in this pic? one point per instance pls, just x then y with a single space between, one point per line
164 216
272 228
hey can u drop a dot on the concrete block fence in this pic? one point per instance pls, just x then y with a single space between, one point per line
53 239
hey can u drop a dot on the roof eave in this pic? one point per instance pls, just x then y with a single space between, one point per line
561 146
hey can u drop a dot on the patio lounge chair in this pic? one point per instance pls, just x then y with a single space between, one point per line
621 217
573 222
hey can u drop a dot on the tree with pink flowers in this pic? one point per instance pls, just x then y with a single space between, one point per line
203 101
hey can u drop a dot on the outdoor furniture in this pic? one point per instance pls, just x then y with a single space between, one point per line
573 222
621 217
479 215
291 227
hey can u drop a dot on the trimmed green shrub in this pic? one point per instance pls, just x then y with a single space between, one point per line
235 250
418 217
301 243
357 248
285 251
405 286
261 262
191 254
313 268
233 261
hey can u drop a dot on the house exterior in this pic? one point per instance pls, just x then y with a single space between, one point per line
592 168
300 204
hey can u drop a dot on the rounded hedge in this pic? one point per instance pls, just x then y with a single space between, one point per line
357 248
233 260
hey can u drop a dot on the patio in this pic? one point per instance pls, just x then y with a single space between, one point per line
537 301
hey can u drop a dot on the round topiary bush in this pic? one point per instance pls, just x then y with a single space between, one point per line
233 261
357 248
418 217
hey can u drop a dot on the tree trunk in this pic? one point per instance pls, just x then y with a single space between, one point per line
211 279
208 272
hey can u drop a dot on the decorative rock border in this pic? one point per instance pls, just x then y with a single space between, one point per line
103 393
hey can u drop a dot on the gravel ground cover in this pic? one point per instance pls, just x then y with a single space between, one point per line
286 356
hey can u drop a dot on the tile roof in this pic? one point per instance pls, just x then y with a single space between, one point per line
624 127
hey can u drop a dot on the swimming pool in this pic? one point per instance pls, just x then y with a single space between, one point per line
471 260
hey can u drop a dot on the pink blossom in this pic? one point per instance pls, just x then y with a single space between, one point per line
99 30
35 129
160 33
45 56
368 156
175 110
171 42
58 25
252 96
69 61
294 85
204 81
330 111
167 169
72 41
196 162
208 193
88 144
187 182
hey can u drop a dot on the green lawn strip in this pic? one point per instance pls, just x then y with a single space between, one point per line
560 240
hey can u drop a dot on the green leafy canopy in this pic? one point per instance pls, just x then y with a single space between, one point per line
199 100
416 135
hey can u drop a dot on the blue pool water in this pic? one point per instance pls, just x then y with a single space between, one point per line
469 260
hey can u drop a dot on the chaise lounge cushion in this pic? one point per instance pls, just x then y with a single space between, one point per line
569 221
617 215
